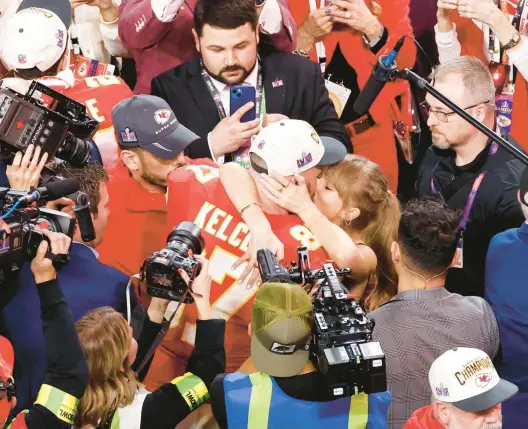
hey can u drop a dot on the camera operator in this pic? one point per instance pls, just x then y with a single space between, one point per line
34 46
285 389
86 283
66 374
114 397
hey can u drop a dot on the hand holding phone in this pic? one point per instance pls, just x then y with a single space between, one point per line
241 95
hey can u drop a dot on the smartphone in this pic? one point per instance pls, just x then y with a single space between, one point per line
240 95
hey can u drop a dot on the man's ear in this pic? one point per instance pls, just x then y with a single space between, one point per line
130 159
250 329
442 412
196 40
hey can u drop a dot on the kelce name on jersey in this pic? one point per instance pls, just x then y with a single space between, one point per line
220 224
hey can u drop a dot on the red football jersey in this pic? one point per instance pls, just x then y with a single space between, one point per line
100 94
196 194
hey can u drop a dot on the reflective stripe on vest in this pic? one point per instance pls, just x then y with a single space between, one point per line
193 390
19 422
256 402
61 404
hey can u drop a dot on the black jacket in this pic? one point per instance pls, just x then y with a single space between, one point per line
494 210
302 95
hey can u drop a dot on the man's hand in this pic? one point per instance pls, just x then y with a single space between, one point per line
230 133
108 9
271 118
200 289
484 11
357 15
41 266
65 202
25 170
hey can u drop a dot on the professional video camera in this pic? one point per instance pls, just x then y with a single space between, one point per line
63 130
341 345
21 216
161 268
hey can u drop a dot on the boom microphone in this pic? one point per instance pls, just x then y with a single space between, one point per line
52 191
379 77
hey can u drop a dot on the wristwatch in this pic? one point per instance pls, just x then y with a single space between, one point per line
514 41
259 3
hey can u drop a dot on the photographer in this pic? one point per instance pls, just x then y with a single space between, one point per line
86 283
66 374
114 397
285 389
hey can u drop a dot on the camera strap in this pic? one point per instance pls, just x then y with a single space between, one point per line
157 341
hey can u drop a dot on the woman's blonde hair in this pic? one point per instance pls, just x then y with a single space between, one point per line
105 338
360 183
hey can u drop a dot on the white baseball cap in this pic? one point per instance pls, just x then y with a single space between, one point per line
36 36
292 146
467 378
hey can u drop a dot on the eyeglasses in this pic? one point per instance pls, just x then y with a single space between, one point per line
443 116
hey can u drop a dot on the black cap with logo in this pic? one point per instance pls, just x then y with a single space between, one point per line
148 122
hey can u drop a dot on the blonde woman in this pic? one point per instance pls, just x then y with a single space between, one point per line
353 215
114 398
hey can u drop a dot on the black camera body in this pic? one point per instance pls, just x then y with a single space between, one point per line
161 268
341 345
63 130
21 244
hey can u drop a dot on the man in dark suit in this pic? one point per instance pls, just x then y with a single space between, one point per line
85 282
198 91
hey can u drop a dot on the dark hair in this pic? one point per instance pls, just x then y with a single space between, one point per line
35 73
428 234
226 14
90 177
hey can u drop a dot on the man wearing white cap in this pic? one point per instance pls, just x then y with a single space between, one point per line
467 393
34 46
196 194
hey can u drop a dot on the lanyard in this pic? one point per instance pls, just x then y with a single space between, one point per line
260 96
476 185
319 46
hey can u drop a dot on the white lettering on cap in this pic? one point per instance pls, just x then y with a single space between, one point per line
161 147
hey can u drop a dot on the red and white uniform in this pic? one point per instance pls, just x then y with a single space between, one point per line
98 93
196 194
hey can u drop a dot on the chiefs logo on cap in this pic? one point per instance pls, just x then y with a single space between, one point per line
483 380
162 116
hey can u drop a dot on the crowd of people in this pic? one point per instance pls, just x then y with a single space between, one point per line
84 340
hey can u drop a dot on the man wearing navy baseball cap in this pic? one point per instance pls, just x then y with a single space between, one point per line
151 142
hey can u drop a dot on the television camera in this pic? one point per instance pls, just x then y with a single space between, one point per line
59 124
341 344
21 213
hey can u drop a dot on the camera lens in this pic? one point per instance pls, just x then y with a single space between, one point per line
75 151
186 237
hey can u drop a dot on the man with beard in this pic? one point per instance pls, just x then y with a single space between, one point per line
198 91
151 141
467 393
469 172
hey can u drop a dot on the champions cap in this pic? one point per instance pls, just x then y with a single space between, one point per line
467 378
281 320
148 122
37 35
292 146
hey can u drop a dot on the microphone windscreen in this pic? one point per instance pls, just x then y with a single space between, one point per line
61 188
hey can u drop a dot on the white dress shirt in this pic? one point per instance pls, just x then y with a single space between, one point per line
449 48
270 19
223 89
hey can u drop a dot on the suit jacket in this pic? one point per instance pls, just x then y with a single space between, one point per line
299 93
158 46
86 284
